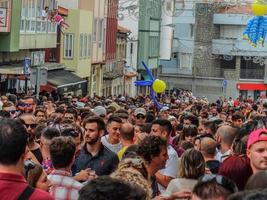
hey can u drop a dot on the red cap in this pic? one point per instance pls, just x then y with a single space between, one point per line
255 136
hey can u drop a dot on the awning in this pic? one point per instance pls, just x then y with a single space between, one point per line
251 86
62 78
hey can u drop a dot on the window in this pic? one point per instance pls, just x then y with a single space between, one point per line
31 20
95 30
85 45
100 32
68 45
89 46
153 46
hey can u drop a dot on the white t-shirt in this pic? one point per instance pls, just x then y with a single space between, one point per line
171 166
112 147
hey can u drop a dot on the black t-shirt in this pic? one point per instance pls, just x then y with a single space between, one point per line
213 165
38 155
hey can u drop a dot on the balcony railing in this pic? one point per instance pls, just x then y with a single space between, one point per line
252 73
37 25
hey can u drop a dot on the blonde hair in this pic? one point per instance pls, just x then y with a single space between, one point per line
192 164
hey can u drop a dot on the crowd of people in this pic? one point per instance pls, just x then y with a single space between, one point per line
125 148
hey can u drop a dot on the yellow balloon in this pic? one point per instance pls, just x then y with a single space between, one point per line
259 9
159 86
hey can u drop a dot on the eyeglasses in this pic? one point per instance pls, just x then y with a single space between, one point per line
221 180
28 165
140 117
30 125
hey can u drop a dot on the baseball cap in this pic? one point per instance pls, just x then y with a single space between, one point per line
164 108
100 111
140 111
255 137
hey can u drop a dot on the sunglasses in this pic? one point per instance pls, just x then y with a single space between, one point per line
140 117
28 165
221 180
30 125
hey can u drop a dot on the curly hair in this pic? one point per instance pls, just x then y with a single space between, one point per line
150 147
133 171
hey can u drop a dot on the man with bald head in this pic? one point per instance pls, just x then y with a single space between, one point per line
127 136
208 149
30 123
225 136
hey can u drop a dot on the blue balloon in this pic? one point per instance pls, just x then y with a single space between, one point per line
149 83
256 30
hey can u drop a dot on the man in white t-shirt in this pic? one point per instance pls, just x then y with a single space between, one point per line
112 139
45 13
163 128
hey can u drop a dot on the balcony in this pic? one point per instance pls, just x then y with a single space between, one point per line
236 47
231 19
171 68
252 73
183 45
36 33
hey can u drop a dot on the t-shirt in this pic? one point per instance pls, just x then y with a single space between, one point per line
38 155
121 152
12 185
179 184
112 147
171 166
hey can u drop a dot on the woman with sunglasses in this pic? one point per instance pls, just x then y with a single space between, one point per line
35 176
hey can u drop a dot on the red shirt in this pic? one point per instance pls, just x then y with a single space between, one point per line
12 185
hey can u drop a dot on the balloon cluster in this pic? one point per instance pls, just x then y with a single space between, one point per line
256 30
157 85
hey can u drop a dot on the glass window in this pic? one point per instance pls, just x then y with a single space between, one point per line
81 45
89 45
85 45
68 46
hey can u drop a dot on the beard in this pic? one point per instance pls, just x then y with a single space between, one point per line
92 141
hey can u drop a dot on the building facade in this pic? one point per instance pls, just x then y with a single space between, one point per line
148 38
128 17
209 55
111 44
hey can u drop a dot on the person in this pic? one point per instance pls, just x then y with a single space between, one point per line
225 136
112 139
35 176
45 13
257 150
132 169
11 108
208 149
192 167
107 188
153 149
59 20
94 154
30 124
40 115
140 116
163 128
71 115
257 181
127 138
46 137
238 119
213 187
100 111
62 151
13 151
